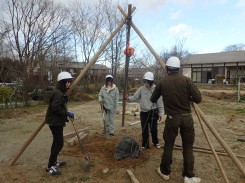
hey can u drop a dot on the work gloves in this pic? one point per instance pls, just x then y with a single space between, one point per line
70 114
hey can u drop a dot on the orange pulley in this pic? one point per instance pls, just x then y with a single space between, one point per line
129 51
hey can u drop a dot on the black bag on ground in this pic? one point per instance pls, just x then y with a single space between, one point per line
127 147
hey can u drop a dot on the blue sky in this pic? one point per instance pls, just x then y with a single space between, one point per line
206 25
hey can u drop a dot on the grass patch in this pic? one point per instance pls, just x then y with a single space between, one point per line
22 111
25 111
84 178
240 110
220 107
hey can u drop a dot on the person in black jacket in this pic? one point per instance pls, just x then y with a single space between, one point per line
56 117
178 92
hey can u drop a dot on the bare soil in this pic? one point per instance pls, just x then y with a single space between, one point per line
225 114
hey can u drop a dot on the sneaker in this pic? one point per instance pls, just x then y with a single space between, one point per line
52 171
192 180
142 148
158 146
59 164
165 177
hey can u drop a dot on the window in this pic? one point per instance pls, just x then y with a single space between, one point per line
196 75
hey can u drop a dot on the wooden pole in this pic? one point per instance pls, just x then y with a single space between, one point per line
208 151
129 19
132 176
73 85
239 88
144 40
212 148
221 141
95 57
27 143
236 161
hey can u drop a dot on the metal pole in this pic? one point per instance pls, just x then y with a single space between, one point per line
129 19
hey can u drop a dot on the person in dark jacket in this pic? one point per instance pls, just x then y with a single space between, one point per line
56 117
178 92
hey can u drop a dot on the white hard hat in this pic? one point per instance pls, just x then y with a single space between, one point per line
148 76
64 75
109 76
173 62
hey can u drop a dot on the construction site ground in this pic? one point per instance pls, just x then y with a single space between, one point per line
220 108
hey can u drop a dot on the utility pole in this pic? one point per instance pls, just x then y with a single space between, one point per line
128 22
239 88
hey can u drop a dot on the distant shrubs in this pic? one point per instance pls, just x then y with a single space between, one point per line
132 90
78 94
5 92
219 78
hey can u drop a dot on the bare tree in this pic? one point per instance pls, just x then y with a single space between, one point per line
3 34
178 50
88 25
144 62
33 25
6 72
114 53
235 47
5 62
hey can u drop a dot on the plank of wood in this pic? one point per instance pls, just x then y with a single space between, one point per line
73 140
70 142
210 152
132 176
238 130
72 134
83 136
133 123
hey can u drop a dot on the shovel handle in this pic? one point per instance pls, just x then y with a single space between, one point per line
78 138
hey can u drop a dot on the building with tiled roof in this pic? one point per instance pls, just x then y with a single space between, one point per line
205 68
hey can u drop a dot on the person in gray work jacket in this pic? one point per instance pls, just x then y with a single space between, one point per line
109 100
56 118
150 112
178 92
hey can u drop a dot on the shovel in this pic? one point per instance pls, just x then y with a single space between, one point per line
86 155
103 116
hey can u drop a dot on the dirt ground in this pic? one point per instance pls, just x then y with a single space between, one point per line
226 116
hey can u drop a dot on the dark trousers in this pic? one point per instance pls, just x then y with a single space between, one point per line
149 121
172 124
57 145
